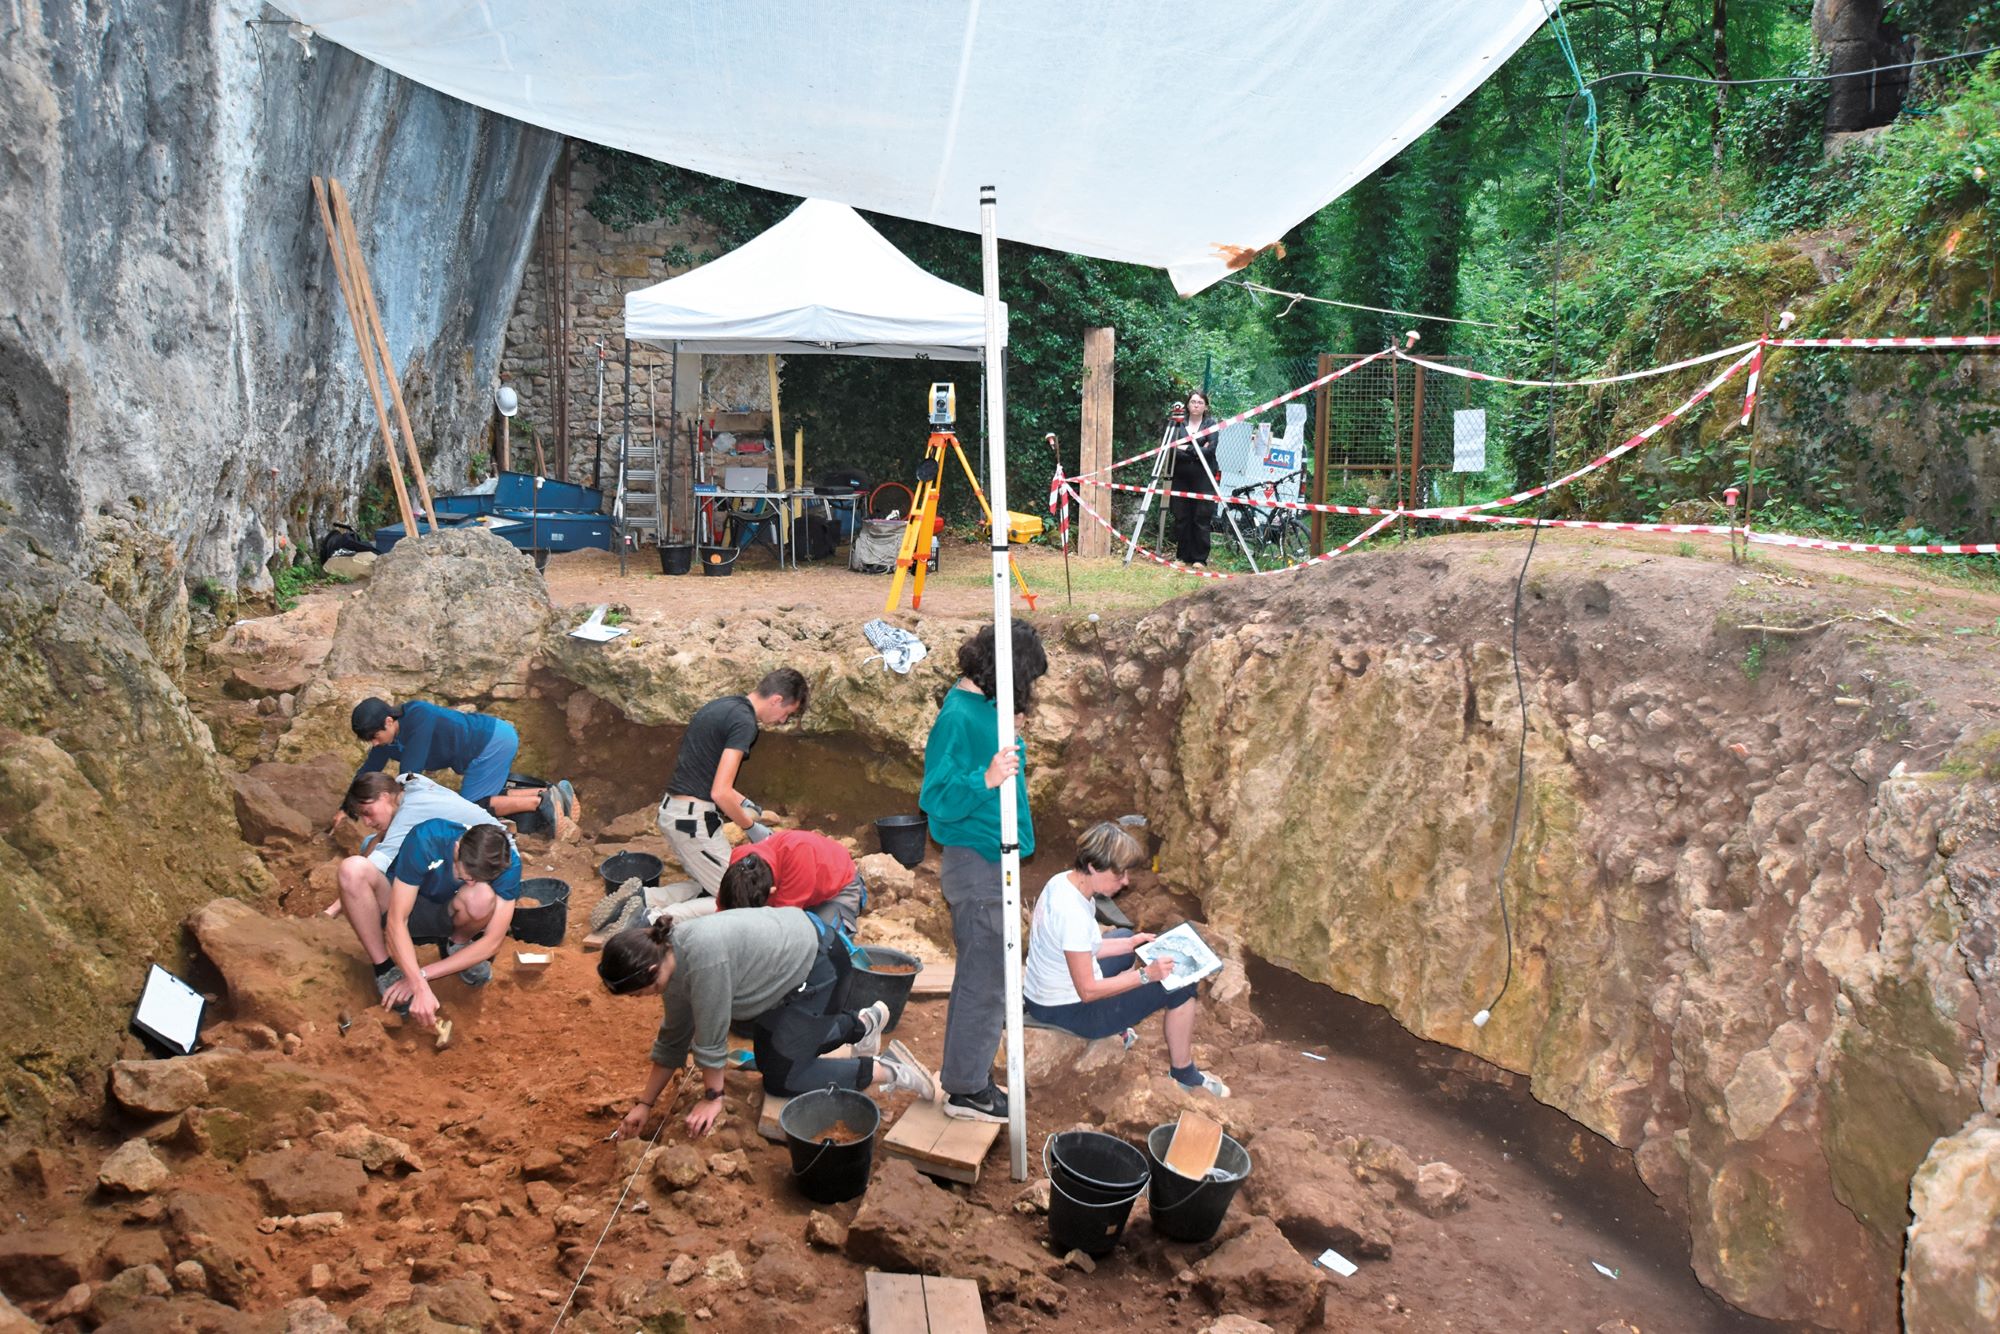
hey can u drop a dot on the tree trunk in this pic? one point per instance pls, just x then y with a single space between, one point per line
1852 35
1721 93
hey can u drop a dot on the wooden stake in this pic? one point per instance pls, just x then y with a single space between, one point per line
367 357
373 317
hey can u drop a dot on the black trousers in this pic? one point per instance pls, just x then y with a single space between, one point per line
1192 520
791 1041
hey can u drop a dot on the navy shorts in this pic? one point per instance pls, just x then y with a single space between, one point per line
1114 1014
486 776
430 922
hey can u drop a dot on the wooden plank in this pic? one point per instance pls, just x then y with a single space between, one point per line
896 1304
1196 1141
935 980
953 1306
939 1145
1094 441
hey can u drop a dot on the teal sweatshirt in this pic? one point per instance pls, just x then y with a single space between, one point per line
963 811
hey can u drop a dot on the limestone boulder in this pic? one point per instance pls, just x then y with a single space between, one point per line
1314 1197
907 1224
307 1181
42 1263
132 1169
158 1088
293 643
110 797
1951 1273
286 972
263 816
376 1152
450 615
314 787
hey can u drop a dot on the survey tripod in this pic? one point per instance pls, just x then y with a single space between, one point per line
922 526
1162 481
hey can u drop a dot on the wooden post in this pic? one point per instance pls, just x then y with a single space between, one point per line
1322 432
1100 352
373 319
362 345
505 460
1416 446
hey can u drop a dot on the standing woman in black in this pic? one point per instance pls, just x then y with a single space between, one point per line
1192 515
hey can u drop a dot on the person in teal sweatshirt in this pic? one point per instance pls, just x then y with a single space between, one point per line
963 770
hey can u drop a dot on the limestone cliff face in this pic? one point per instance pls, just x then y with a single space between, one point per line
1744 944
114 824
174 340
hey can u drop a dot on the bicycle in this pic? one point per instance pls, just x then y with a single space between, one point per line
1277 528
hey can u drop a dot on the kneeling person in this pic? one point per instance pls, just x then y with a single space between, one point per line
450 886
796 868
774 968
392 805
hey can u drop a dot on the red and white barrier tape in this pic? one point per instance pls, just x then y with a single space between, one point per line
1942 340
1679 410
1514 521
1159 558
1264 407
1887 548
1252 502
1750 387
1464 374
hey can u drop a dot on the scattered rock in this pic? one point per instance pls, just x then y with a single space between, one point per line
1316 1199
1078 1260
1034 1197
375 1151
1049 1054
1951 1275
1259 1268
684 1268
308 1181
158 1088
309 1315
825 1231
132 1169
189 1276
724 1269
127 1289
130 1247
459 1301
38 1265
908 1225
651 1303
543 1198
729 1164
1440 1189
1237 1324
543 1164
784 1272
74 1302
262 682
679 1167
263 816
888 880
13 1322
218 1132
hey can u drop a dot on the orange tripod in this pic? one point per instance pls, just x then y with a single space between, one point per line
923 520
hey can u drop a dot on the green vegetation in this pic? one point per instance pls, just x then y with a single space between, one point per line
1753 661
289 582
1685 219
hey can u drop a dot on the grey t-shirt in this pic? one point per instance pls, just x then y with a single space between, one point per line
424 800
728 966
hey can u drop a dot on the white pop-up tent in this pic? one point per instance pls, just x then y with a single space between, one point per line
821 281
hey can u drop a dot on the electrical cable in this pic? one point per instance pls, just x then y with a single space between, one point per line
1296 297
1790 78
581 1274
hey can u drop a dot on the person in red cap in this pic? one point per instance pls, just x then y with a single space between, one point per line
795 868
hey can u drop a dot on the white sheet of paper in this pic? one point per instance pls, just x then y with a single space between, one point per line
171 1008
595 630
1192 958
1338 1263
524 956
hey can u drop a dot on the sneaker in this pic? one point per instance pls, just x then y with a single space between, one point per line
899 1071
989 1104
476 976
1209 1084
567 795
550 807
873 1020
383 981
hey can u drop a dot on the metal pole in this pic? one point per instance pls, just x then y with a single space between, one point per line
624 448
1003 682
665 480
1416 447
1162 461
1322 431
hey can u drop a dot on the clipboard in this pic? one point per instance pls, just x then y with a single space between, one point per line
168 1015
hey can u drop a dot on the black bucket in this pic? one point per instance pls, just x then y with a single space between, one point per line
622 866
548 919
678 559
1093 1179
905 837
719 561
529 822
827 1172
884 979
1185 1210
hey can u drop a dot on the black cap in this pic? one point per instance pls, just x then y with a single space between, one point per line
368 717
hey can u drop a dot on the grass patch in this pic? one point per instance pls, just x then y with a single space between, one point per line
293 581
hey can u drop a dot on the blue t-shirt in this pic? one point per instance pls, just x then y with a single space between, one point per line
429 737
426 861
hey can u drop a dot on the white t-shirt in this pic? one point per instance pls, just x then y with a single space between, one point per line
424 800
1065 921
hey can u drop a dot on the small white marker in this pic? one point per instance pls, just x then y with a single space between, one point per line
1312 1056
1608 1273
1338 1263
1479 1020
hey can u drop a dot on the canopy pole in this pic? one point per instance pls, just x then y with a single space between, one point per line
778 441
1003 681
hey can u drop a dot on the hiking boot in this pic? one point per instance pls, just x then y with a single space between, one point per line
900 1072
873 1020
383 981
476 976
567 795
989 1104
551 807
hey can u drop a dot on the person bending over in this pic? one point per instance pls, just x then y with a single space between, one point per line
1082 981
963 770
774 968
391 805
451 886
702 795
420 736
796 868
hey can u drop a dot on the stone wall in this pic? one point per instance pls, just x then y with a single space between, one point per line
604 266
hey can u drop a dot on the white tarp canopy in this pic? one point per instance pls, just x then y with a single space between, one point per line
1171 133
820 281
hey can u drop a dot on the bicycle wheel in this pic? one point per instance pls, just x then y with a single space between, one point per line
1290 539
